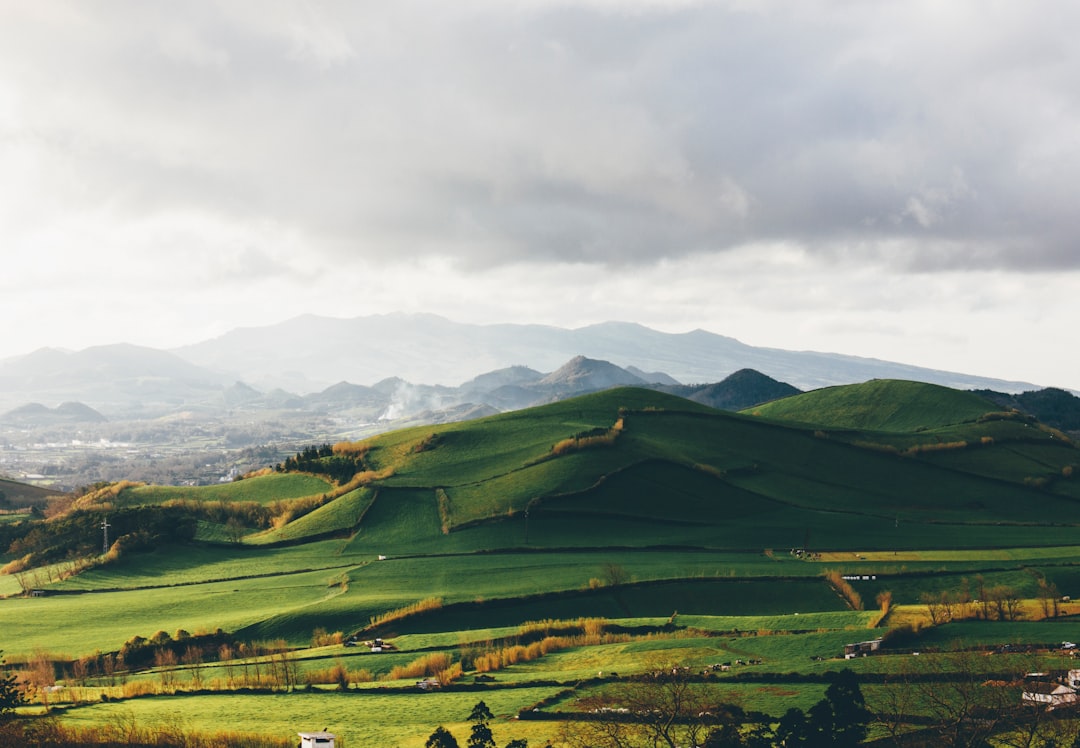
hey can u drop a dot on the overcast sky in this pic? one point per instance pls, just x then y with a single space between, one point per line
896 180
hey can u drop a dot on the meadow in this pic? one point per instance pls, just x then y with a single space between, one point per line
561 552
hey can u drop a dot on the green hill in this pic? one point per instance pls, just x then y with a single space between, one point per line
15 495
631 467
880 405
686 534
884 465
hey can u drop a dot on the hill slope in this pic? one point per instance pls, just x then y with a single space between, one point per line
743 389
635 467
880 405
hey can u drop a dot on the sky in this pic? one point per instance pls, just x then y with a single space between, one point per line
896 180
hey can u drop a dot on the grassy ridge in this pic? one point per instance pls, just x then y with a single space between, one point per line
681 514
263 489
880 405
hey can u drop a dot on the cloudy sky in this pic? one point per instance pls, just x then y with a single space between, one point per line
888 179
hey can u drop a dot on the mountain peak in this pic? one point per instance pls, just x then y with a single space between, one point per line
587 373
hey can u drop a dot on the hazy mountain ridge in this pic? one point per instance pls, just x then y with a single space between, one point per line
529 364
65 413
432 349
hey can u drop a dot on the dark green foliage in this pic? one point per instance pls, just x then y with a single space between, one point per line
1052 406
322 461
840 719
10 693
792 730
139 652
441 738
480 733
727 733
80 534
847 710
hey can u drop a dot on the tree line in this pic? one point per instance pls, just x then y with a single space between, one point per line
338 462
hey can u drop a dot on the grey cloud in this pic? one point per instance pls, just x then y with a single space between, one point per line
499 132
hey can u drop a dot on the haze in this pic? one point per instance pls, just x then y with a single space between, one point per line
883 179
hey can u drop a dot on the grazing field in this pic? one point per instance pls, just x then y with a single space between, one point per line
557 557
263 489
362 718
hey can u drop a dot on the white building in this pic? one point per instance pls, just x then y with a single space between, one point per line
320 739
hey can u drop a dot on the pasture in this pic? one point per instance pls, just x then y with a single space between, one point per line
695 537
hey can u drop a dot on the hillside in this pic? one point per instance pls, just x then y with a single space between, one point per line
626 526
743 389
880 405
15 495
36 414
1052 406
634 467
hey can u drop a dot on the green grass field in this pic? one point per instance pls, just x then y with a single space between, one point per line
263 489
678 528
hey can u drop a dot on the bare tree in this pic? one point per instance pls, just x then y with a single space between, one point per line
964 700
664 708
615 574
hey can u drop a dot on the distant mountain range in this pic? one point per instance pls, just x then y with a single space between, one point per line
387 366
308 353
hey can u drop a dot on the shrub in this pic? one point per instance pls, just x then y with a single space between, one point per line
429 665
844 589
421 606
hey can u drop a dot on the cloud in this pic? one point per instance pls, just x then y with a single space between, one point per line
498 132
781 154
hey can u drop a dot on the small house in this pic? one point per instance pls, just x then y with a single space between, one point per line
1050 694
861 649
321 739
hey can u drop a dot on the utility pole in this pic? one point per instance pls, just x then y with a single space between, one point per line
105 529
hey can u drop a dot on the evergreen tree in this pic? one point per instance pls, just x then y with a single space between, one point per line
480 735
10 694
791 730
849 715
441 738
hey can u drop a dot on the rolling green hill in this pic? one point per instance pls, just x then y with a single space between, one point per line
675 523
637 468
880 405
16 495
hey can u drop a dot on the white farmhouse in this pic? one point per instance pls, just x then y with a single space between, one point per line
321 739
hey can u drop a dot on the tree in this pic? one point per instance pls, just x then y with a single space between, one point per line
663 708
441 738
847 709
792 731
10 693
480 733
726 732
964 699
615 574
235 530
